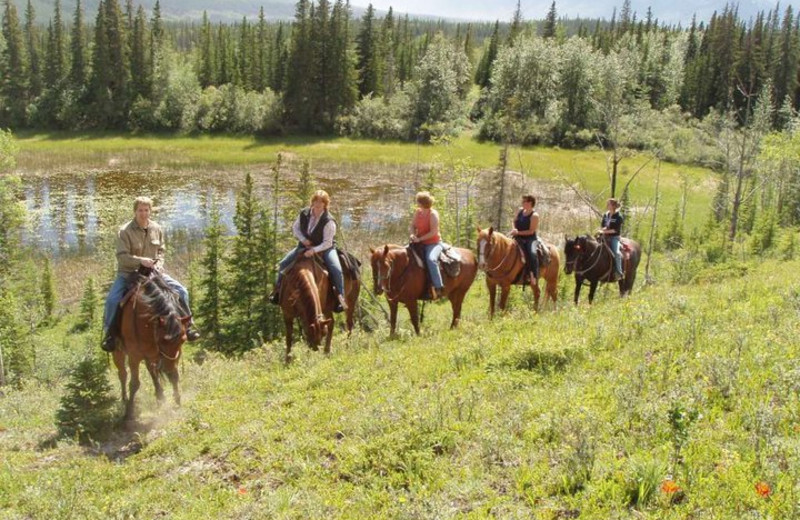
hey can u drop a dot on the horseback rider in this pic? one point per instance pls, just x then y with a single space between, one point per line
611 229
315 229
140 243
424 230
524 228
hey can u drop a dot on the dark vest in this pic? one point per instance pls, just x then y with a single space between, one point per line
523 223
316 236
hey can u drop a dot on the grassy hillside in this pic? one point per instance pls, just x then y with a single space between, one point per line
590 412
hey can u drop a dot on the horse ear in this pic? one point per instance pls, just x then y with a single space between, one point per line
491 230
371 251
186 319
161 320
386 250
479 229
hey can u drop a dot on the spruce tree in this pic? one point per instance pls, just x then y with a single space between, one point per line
54 64
299 72
140 69
549 28
100 79
210 306
87 407
206 68
14 70
48 291
32 48
77 73
367 53
88 308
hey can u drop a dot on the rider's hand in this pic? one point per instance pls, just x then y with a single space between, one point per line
514 232
146 262
307 243
413 239
308 253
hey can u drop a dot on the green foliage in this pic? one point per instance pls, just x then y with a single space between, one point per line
16 349
8 150
48 290
211 283
645 476
88 307
86 412
765 232
673 234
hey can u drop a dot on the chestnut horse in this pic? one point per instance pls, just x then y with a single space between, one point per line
502 260
306 294
593 261
399 276
152 329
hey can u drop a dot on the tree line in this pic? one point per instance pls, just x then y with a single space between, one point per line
324 72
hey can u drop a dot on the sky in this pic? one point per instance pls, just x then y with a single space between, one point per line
671 11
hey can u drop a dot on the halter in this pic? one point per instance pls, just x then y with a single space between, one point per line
388 279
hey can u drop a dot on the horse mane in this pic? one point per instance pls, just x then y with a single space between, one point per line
163 303
306 288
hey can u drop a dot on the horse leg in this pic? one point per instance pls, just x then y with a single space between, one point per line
456 299
174 377
578 284
392 317
592 289
119 361
492 296
504 290
551 290
414 315
536 293
133 388
289 326
327 349
153 369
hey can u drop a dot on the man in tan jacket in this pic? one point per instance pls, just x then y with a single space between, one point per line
140 243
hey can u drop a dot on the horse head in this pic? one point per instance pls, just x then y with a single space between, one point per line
485 241
375 260
572 250
318 329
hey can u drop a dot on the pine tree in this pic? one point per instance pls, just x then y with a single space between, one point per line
88 307
119 74
388 53
483 73
261 58
100 79
366 49
242 291
300 70
206 74
787 70
48 290
549 29
77 74
13 71
55 65
210 306
87 407
140 69
516 25
32 48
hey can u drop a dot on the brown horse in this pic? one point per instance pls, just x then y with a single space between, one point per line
399 276
306 294
152 329
593 261
503 262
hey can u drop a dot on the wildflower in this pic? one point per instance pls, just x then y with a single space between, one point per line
241 491
669 487
763 489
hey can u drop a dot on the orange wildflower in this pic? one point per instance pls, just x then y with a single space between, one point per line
763 489
241 491
670 487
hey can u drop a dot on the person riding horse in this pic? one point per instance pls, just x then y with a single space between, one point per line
523 230
315 229
611 229
140 244
424 230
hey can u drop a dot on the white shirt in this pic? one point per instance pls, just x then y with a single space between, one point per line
328 232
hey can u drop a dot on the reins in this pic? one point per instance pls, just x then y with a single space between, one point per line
597 252
491 270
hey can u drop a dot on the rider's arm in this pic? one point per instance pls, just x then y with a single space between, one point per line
328 232
297 232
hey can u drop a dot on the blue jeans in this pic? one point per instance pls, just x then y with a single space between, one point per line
432 252
117 292
331 259
613 243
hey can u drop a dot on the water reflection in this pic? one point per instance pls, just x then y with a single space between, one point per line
75 214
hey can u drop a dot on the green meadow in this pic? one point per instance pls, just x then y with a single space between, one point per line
678 402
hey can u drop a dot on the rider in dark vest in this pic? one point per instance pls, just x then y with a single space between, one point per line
315 229
524 228
612 230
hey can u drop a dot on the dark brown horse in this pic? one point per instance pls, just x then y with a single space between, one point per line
152 329
403 280
593 261
305 294
502 260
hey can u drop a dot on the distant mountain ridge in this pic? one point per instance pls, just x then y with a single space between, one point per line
667 11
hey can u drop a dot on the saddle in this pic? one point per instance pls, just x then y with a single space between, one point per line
449 259
351 266
542 254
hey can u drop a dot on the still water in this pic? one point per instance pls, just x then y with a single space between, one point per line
75 214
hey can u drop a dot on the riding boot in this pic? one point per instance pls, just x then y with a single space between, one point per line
109 343
341 305
192 334
275 296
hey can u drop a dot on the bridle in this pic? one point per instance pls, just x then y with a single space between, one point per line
596 254
388 279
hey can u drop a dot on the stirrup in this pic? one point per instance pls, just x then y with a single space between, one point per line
109 343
